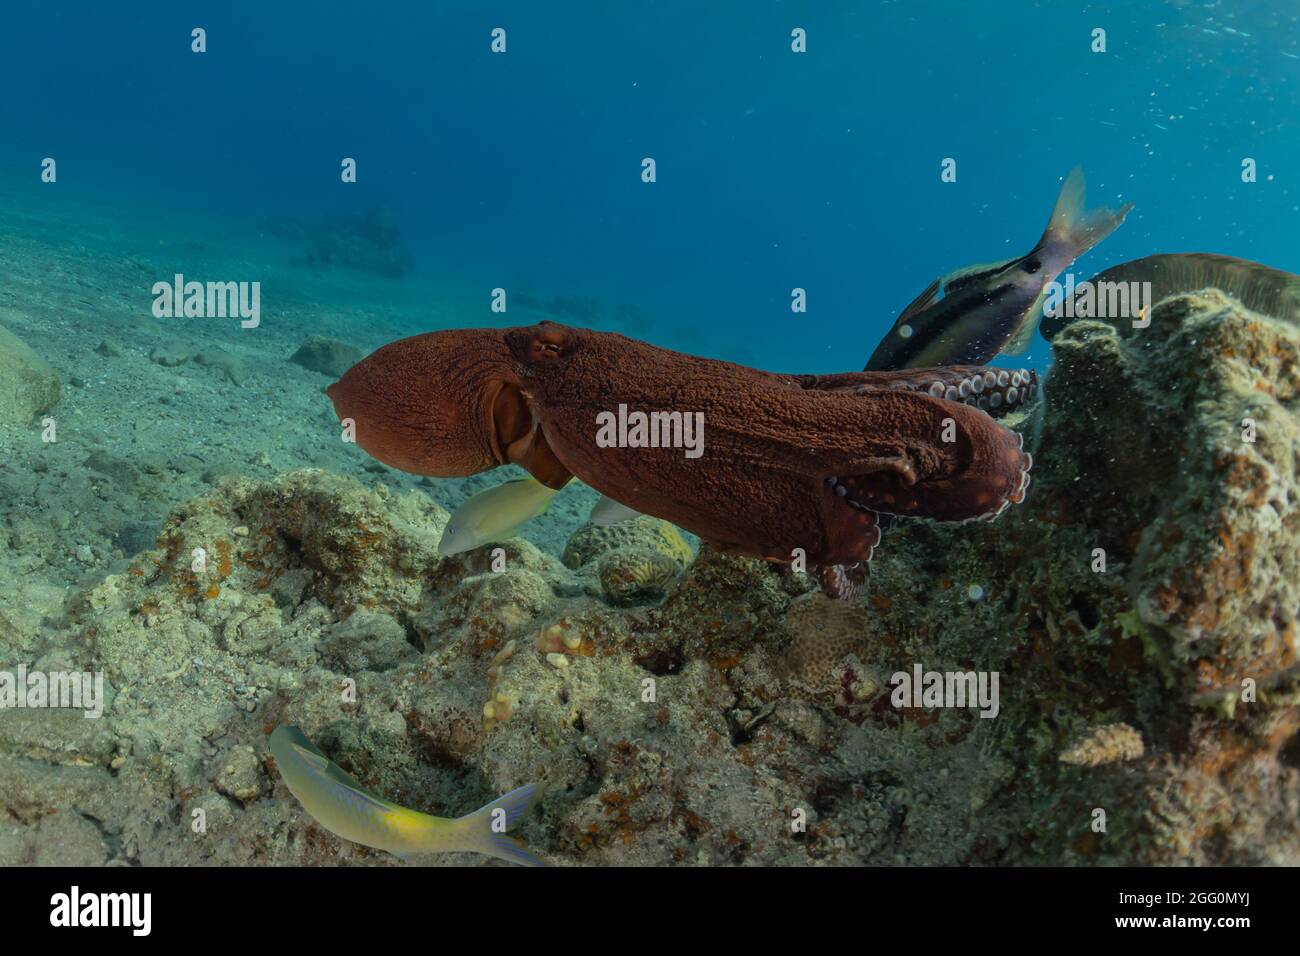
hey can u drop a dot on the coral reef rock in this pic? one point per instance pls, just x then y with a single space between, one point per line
1139 610
591 541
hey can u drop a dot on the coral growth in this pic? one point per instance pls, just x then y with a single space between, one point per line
500 703
1140 609
636 575
591 541
824 662
1112 743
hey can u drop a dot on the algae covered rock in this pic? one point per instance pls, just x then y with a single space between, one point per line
325 355
636 575
68 839
224 364
1202 466
257 569
238 773
1139 612
169 356
591 541
495 606
635 561
28 385
366 640
1157 567
727 604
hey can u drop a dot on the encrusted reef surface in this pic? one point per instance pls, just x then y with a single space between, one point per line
1139 610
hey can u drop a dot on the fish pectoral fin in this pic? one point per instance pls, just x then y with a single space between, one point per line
313 758
1024 334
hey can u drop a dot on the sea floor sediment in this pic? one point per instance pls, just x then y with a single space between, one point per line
1139 610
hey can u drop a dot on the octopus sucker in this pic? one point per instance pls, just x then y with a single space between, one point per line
785 462
973 386
843 581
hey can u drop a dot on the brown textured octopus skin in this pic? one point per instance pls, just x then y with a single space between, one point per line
789 462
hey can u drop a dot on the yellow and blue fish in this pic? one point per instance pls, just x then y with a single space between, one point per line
341 805
494 514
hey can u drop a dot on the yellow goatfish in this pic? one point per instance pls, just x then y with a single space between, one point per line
341 805
495 514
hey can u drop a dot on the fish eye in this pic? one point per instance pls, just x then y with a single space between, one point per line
1031 265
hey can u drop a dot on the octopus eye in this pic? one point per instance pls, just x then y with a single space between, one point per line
1031 265
546 342
546 351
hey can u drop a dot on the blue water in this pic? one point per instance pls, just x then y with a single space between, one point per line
775 170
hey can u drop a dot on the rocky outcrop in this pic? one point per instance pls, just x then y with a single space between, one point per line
28 385
1139 611
325 355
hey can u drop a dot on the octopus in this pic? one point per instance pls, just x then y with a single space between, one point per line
793 469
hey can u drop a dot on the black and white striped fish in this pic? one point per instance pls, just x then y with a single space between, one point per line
994 308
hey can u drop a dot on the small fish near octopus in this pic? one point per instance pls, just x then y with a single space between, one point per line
803 462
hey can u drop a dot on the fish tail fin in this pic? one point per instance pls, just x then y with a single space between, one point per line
1071 229
485 828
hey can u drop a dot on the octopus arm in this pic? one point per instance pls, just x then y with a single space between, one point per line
949 461
993 390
